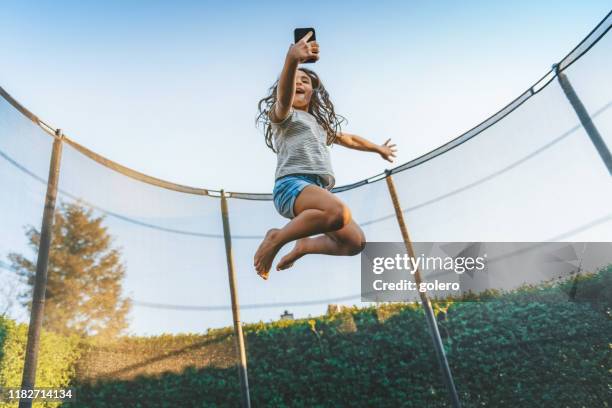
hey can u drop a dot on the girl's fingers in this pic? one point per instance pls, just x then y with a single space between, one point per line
306 37
388 140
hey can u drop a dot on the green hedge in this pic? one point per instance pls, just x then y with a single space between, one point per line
546 346
56 358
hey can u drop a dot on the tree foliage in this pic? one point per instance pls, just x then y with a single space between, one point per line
85 274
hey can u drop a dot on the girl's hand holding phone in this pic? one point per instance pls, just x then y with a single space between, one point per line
303 50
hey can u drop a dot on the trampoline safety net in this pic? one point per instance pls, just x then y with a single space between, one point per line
530 173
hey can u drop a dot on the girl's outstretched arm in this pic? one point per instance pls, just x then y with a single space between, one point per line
298 52
385 150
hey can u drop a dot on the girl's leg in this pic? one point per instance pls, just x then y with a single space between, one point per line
346 241
317 211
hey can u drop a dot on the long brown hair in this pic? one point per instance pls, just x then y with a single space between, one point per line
320 107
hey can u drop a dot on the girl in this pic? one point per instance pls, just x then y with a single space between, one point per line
299 124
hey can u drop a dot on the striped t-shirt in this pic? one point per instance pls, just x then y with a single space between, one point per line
301 145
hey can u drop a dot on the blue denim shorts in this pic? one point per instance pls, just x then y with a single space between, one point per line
287 188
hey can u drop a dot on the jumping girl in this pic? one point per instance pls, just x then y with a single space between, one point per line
300 124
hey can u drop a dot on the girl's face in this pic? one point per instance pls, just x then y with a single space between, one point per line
303 91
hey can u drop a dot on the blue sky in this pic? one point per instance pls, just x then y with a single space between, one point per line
170 89
178 82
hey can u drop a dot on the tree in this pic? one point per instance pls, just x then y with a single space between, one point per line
84 277
8 294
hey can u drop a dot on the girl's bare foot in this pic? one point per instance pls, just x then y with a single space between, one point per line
266 252
296 253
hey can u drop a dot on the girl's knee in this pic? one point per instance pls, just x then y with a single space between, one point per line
355 248
356 244
338 216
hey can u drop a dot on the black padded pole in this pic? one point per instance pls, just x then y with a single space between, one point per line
242 366
429 313
40 280
585 119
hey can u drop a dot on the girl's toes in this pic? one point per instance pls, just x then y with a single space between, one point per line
284 266
286 262
281 265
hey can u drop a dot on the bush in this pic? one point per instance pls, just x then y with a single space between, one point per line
56 358
545 346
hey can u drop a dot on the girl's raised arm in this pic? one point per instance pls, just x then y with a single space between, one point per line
298 52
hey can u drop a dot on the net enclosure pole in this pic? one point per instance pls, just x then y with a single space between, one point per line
242 367
40 279
429 314
585 119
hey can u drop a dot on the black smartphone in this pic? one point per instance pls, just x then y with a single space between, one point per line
298 33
